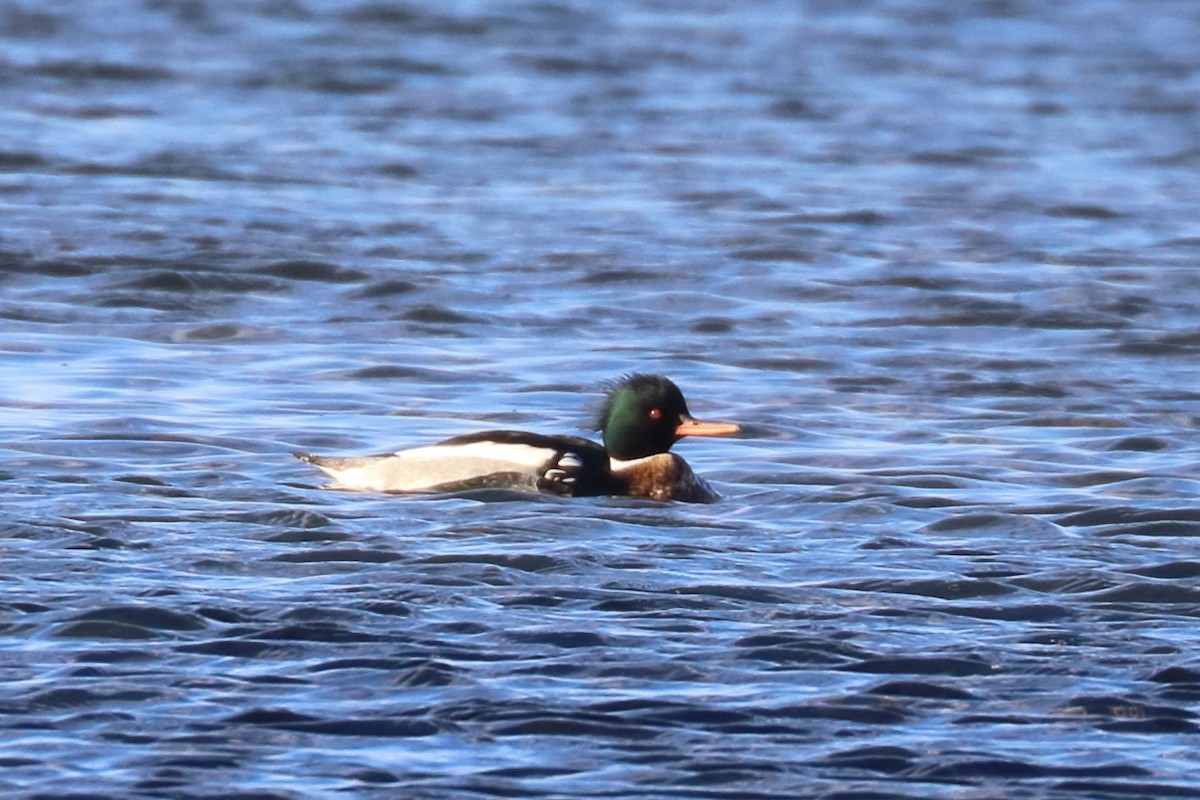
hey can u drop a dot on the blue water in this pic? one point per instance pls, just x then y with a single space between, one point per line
939 260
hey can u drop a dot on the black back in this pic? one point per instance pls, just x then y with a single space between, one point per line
592 477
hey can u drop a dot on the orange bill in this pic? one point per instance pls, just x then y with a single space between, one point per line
689 426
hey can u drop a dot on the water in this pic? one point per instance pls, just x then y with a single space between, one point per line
938 259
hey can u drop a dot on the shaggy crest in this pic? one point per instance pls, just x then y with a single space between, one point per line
638 382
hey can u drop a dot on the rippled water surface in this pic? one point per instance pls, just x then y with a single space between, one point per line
939 259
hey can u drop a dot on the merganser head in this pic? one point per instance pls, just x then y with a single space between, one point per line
646 414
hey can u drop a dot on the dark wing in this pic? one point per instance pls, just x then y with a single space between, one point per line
574 467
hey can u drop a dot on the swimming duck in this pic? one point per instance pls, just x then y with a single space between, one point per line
642 416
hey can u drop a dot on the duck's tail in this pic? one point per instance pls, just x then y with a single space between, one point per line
329 462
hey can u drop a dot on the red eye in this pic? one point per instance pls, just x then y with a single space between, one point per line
656 414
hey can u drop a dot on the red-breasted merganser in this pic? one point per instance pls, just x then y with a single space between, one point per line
642 416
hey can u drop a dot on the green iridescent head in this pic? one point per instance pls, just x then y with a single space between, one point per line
645 414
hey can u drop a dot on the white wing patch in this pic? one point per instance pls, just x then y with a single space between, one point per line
570 460
424 468
524 454
563 471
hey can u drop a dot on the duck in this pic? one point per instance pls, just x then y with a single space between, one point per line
641 417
